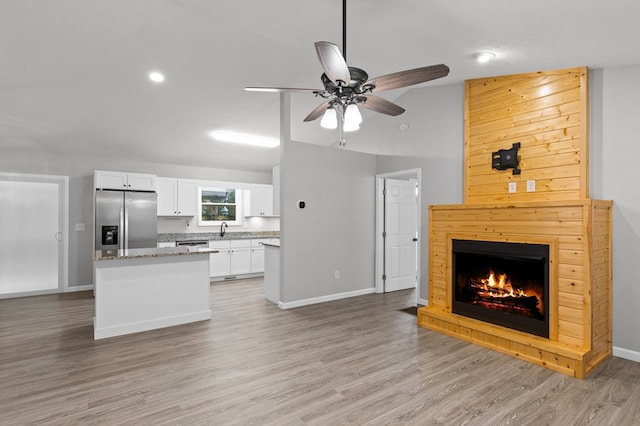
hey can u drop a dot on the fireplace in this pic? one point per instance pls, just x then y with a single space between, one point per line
502 283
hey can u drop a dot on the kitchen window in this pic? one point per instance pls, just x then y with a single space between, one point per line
217 205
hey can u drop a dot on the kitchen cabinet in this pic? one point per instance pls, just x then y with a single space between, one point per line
176 197
260 200
162 244
234 257
257 260
257 255
123 180
240 257
219 262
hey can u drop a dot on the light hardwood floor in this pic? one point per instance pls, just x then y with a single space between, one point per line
357 361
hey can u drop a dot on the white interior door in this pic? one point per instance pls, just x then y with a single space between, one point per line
400 243
30 236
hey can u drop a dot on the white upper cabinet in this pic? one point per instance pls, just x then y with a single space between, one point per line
187 197
176 197
124 181
260 200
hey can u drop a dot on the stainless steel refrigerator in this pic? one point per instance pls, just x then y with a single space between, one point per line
126 220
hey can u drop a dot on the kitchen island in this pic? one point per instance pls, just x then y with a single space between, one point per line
145 289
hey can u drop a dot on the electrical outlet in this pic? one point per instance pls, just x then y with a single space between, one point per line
79 226
531 186
512 187
336 274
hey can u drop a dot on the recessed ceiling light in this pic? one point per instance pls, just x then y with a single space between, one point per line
483 57
156 77
225 136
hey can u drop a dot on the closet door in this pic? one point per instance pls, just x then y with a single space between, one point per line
31 234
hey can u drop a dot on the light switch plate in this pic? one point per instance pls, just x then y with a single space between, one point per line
512 187
531 186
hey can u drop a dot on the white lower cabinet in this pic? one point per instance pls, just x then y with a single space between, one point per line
240 257
236 257
219 262
233 258
257 255
257 260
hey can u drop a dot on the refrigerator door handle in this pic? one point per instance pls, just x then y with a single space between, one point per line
122 229
126 229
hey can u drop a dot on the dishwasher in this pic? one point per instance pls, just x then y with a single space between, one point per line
193 243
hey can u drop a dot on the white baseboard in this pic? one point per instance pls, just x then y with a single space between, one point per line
423 302
78 288
626 354
328 298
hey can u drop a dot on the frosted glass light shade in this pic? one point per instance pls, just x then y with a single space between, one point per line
352 118
329 119
352 115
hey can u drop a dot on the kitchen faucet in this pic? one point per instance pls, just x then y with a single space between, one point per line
222 230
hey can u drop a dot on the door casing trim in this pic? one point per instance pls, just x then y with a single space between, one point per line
379 241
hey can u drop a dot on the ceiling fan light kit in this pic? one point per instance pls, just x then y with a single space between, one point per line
329 119
352 118
346 88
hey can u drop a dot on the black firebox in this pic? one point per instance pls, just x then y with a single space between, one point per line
502 283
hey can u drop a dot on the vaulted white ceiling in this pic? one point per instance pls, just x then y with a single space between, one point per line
73 73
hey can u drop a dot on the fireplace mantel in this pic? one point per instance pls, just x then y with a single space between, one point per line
579 233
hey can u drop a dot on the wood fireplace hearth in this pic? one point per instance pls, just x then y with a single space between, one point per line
579 286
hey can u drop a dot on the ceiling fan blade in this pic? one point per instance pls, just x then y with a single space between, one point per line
318 111
332 62
406 78
282 89
374 103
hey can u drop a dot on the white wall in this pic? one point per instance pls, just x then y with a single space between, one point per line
621 183
435 142
335 229
80 171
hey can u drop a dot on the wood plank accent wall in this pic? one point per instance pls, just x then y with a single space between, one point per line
547 112
578 235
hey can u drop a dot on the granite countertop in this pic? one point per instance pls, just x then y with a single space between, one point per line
272 244
208 236
150 252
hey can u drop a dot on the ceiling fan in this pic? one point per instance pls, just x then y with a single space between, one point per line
346 88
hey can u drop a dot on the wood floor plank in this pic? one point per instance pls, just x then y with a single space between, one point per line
348 362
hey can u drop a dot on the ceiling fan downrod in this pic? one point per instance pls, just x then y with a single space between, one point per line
344 30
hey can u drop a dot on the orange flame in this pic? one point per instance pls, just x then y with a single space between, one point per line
501 285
